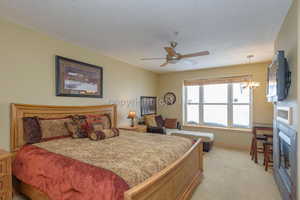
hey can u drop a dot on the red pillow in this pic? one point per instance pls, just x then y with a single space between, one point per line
171 123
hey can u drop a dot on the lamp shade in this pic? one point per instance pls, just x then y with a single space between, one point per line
131 114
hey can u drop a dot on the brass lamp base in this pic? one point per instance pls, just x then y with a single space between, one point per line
132 122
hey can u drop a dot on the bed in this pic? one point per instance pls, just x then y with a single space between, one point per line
176 181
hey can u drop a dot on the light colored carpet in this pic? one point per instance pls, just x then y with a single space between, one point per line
231 175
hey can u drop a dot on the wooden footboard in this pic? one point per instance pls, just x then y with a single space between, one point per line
176 182
31 192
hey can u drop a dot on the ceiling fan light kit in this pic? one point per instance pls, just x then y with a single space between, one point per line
173 57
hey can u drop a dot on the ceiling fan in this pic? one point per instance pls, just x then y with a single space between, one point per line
173 57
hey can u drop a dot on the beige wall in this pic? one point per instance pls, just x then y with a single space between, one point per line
287 40
262 111
27 75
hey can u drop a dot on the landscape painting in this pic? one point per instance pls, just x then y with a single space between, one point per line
78 79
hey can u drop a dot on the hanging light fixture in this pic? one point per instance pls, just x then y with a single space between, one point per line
250 84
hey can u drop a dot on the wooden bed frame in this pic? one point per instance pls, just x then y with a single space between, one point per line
176 182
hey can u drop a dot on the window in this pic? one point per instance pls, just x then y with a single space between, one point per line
224 105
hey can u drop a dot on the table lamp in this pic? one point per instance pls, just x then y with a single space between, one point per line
132 115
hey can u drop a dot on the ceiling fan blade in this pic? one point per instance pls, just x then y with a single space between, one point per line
170 51
164 64
153 58
202 53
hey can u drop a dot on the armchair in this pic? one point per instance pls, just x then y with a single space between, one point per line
162 124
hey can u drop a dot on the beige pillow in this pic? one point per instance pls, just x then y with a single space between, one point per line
99 133
150 120
54 127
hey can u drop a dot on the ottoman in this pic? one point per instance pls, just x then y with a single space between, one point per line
206 138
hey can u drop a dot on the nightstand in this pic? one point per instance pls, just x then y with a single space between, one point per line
5 176
137 128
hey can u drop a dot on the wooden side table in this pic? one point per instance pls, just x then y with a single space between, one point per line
137 128
5 176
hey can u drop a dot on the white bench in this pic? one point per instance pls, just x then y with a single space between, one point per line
207 138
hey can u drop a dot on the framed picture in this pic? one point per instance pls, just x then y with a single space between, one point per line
78 79
148 105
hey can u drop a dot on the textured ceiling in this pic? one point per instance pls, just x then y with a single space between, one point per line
133 29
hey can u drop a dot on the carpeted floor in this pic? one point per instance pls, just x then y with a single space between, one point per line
231 175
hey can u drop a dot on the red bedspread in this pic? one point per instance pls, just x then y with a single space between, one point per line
63 178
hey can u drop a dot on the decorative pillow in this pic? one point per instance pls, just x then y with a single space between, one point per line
113 132
100 134
32 130
80 121
97 126
75 130
150 120
103 119
54 127
171 123
159 121
97 135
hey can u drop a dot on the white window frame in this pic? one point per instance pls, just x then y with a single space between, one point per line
229 105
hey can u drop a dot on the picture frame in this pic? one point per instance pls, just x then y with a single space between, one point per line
148 105
78 79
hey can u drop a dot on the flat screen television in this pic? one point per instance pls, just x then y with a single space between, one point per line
279 78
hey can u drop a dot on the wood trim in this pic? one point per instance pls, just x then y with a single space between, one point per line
32 193
177 181
219 80
18 111
137 128
246 130
5 176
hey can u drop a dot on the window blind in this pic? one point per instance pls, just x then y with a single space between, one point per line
235 79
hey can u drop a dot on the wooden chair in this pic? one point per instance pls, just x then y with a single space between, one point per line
256 138
268 154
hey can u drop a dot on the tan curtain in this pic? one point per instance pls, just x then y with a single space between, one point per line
235 79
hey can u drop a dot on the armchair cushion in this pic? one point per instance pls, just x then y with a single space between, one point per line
171 123
160 130
150 120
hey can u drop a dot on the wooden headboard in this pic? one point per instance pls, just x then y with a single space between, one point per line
18 111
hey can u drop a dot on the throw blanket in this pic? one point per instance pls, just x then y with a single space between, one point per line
111 166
